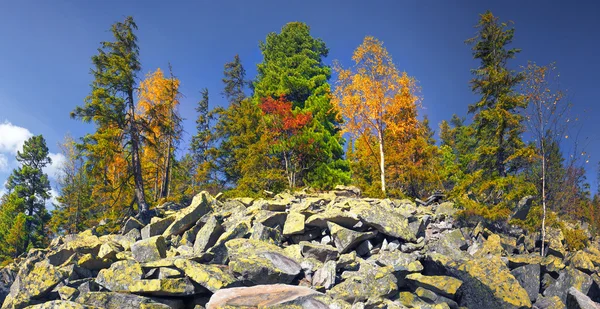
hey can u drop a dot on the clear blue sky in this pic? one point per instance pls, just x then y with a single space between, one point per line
46 49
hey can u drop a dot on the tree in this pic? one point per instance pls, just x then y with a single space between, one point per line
234 80
496 119
111 106
546 121
74 211
158 101
285 127
13 231
293 67
376 100
202 144
30 184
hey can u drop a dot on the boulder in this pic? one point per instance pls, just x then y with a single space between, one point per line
578 300
369 282
211 277
266 296
149 249
37 283
443 285
385 219
488 283
582 261
112 300
529 278
492 246
163 287
294 224
569 277
60 304
320 252
130 224
157 227
325 276
555 240
120 276
187 217
207 235
520 212
346 239
553 302
265 233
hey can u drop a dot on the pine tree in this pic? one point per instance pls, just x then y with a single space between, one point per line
13 232
202 146
29 183
111 107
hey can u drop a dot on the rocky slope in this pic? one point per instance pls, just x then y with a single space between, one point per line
331 250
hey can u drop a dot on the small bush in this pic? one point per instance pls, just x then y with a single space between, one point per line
576 239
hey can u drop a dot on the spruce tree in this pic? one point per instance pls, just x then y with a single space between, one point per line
31 186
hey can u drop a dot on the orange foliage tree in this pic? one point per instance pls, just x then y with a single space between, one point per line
158 99
376 100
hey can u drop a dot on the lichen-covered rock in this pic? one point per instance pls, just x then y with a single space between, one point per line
163 287
552 302
211 277
325 276
492 246
60 304
346 239
120 276
149 249
265 233
320 252
569 277
37 283
369 281
443 285
187 217
555 240
112 300
451 244
266 296
157 227
219 250
519 260
265 267
529 278
207 235
581 260
488 283
294 224
386 220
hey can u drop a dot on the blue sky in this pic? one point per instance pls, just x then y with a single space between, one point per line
47 45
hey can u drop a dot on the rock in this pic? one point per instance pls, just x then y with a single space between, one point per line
401 263
187 217
346 191
37 283
120 276
578 300
320 252
451 244
367 283
569 277
386 220
266 296
109 250
346 239
552 264
445 210
553 302
163 287
207 235
294 224
91 262
67 292
59 304
515 261
364 249
112 300
555 240
492 246
219 250
335 215
325 276
149 249
487 283
443 285
265 233
211 277
130 224
529 278
520 212
581 260
157 227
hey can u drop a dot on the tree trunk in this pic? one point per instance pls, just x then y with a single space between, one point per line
543 197
135 159
165 183
381 162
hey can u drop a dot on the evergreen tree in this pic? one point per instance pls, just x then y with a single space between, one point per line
13 231
234 80
497 122
30 184
111 107
293 67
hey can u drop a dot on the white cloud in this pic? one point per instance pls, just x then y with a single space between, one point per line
12 137
3 163
53 170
